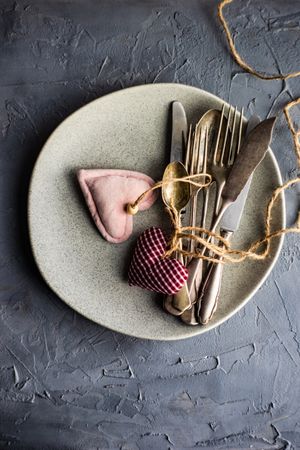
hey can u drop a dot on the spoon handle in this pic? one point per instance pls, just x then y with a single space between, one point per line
178 303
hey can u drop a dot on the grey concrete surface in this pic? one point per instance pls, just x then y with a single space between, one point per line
66 383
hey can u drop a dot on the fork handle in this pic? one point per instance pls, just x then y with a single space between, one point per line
210 292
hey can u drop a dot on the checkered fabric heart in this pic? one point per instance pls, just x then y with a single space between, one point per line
148 271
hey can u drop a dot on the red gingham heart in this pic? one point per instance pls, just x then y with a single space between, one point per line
148 271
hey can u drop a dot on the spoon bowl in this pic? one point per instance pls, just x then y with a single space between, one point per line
175 193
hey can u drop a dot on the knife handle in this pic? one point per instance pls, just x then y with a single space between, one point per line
210 292
208 299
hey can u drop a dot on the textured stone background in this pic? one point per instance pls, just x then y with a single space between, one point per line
66 383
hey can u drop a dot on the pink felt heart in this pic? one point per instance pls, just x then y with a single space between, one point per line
149 271
107 192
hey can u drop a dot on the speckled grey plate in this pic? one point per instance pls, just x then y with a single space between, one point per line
128 130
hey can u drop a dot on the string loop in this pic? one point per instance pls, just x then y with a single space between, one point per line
133 208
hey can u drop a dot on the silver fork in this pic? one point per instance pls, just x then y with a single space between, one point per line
197 165
220 163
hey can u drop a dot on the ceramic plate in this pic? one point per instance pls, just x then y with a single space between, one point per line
128 130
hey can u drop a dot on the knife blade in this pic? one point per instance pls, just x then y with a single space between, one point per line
232 216
179 132
251 154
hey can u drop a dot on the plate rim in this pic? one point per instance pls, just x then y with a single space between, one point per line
196 330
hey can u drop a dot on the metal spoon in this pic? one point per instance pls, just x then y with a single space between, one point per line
176 195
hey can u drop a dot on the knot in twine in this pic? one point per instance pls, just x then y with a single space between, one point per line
223 252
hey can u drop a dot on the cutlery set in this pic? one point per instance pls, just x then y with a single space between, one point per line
220 145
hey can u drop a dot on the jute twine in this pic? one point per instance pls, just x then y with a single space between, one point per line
244 65
295 133
258 250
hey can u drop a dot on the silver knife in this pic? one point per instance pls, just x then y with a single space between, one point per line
230 222
178 145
